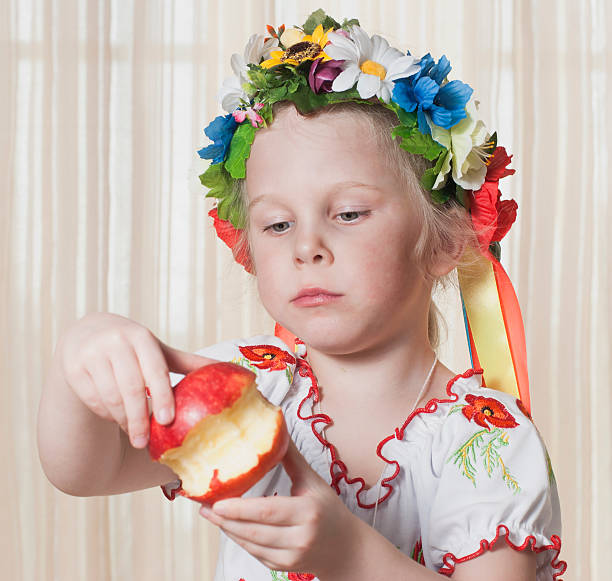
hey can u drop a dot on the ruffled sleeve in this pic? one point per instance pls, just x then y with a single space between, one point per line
265 355
494 481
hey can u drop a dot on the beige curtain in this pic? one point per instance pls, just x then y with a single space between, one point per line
102 106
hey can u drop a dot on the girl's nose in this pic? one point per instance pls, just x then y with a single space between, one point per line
311 248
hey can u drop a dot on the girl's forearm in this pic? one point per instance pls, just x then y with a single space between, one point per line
78 450
372 557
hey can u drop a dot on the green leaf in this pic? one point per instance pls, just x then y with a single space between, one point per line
444 194
223 208
420 144
347 24
461 196
429 177
216 179
319 17
407 118
239 150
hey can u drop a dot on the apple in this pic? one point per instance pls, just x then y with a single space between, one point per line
225 435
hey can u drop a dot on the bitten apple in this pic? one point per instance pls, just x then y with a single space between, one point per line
225 435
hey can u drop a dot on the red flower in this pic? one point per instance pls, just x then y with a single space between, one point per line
300 576
491 216
487 409
267 356
231 236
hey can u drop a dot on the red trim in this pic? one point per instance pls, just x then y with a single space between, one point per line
448 568
338 469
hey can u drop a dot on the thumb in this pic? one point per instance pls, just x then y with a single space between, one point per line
184 362
303 477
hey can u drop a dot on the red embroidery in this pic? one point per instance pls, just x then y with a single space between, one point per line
338 469
488 409
448 568
300 576
267 356
417 552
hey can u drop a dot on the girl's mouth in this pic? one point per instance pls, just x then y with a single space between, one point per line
312 297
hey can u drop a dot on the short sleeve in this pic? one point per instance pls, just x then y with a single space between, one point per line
265 355
494 481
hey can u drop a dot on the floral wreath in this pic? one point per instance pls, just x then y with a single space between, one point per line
324 62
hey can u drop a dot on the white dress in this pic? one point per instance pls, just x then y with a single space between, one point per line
462 472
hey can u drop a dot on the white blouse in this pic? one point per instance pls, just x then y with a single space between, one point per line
461 473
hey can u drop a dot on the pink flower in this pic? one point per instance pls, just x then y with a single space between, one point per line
251 112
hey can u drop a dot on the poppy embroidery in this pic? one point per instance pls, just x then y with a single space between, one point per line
279 576
485 444
417 552
267 356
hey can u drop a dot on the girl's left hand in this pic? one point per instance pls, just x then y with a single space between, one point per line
311 531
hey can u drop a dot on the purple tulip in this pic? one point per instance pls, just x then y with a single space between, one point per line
322 75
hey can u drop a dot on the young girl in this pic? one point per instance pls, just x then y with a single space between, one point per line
398 467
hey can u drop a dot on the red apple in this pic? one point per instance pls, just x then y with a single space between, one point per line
225 435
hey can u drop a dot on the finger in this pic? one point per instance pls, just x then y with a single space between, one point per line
279 559
104 379
154 369
182 361
272 510
279 537
131 385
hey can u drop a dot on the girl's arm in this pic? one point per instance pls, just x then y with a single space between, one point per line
85 455
313 532
94 395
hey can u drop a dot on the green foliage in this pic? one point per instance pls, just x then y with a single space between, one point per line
429 177
216 179
319 17
239 150
416 142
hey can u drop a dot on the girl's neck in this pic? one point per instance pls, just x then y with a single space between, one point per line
393 374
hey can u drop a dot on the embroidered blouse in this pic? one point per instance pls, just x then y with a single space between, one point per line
462 472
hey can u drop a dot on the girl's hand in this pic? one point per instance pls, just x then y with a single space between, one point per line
311 531
109 361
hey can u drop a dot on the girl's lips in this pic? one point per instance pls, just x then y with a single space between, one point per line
314 296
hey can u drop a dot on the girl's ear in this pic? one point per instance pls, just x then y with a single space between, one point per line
444 262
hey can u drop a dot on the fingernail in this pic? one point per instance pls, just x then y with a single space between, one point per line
205 511
165 415
140 441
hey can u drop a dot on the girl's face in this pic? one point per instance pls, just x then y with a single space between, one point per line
325 212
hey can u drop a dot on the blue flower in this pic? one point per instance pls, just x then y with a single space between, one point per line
220 131
426 91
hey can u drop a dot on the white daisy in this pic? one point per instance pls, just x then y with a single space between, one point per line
370 62
231 93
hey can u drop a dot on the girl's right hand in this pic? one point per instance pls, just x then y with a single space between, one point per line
109 360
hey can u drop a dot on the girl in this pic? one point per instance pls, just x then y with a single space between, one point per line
342 186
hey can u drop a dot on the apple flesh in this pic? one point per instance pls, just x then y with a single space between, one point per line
225 435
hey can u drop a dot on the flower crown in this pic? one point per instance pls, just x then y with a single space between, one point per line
325 62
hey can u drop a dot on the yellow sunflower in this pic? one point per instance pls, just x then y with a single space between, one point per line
304 47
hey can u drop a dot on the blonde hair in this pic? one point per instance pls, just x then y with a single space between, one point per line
446 228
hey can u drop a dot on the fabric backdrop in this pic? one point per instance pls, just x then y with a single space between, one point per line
102 108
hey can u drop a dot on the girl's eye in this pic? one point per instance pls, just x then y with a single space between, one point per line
278 228
353 215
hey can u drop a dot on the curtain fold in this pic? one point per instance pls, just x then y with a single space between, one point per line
102 111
